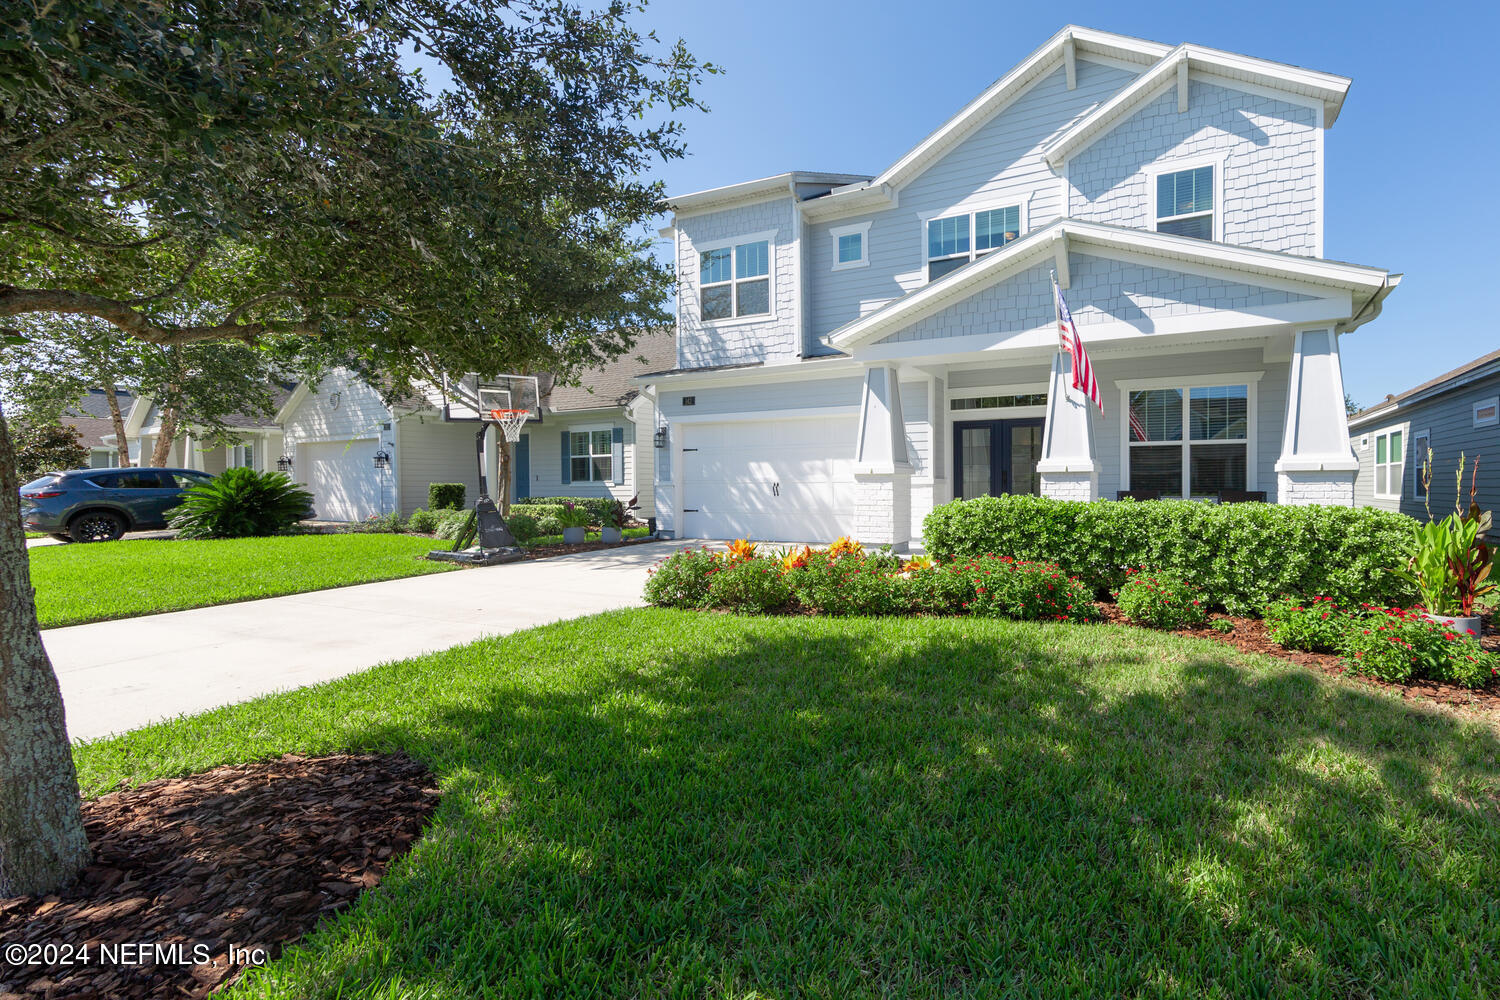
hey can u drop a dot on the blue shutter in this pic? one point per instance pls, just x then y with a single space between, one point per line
567 460
521 474
619 456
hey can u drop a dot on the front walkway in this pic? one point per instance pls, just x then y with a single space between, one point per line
123 674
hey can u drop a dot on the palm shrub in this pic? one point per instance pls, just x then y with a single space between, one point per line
241 503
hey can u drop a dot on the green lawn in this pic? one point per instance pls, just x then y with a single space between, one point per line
87 583
657 803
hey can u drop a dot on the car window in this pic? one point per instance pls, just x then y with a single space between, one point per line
132 480
37 484
185 480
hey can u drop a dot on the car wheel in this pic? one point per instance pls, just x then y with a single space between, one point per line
96 526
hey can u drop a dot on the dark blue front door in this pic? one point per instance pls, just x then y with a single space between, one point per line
993 457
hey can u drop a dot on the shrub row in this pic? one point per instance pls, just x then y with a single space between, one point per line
1392 644
856 583
1242 555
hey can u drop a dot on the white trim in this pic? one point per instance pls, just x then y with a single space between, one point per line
1318 147
1287 81
590 430
1021 203
1251 382
1248 262
1400 464
733 283
1490 421
745 416
860 229
759 189
1155 170
1416 459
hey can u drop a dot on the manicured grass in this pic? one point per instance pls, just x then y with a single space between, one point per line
658 803
35 534
87 583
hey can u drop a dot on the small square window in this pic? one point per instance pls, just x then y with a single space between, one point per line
851 248
1487 412
1185 203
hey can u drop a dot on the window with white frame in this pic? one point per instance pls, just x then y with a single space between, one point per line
1192 441
1421 444
591 455
851 246
242 456
1390 460
735 280
1185 203
1487 412
954 240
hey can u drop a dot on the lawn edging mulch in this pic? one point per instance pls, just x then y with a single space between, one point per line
248 856
1249 635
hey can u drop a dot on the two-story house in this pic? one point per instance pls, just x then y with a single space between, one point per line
852 350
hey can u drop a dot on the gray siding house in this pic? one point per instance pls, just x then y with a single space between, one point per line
853 349
1458 412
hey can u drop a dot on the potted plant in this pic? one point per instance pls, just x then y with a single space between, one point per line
575 521
618 516
1452 561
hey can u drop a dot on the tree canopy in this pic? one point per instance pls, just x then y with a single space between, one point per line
258 169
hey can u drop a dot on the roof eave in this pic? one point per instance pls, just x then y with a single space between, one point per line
761 187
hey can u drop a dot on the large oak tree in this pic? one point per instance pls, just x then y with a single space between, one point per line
411 187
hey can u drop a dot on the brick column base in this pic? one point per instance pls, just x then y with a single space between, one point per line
882 509
1070 485
1332 489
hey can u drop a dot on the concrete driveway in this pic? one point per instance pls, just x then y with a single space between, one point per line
123 674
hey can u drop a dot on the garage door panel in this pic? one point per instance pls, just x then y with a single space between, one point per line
780 480
341 476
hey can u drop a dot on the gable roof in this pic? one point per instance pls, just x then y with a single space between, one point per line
1480 367
761 187
1310 85
91 417
1054 239
613 384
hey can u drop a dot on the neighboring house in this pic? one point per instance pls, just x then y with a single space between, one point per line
590 440
853 350
92 419
254 441
1454 413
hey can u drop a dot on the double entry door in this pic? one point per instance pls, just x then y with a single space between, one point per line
991 457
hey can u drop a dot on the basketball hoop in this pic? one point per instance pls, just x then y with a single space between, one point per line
510 422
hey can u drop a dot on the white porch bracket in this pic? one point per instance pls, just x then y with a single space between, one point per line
1068 468
882 470
1317 465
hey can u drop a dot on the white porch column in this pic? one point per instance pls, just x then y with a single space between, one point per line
1068 469
1316 465
882 471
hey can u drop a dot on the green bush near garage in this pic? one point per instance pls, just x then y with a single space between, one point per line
597 507
445 496
1242 556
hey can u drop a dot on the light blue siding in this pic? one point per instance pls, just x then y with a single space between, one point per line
1101 291
793 395
1270 149
1000 164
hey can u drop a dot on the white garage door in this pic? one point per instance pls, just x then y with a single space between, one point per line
341 476
774 480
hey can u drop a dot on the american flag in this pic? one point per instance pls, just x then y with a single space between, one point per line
1067 333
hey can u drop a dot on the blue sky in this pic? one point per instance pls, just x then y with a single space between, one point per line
1413 171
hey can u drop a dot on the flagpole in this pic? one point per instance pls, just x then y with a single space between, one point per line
1057 328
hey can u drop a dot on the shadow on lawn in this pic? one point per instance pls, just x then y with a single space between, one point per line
953 807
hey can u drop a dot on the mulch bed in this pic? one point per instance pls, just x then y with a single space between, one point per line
1249 636
246 856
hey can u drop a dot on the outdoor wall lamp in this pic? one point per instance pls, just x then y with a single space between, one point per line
382 459
660 437
284 463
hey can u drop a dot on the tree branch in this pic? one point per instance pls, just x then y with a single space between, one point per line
19 301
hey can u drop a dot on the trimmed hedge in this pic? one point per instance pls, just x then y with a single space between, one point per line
598 507
445 496
1242 556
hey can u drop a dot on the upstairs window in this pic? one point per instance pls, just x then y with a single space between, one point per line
1390 462
1185 203
949 242
851 246
735 281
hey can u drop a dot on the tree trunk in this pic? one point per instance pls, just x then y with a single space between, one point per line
164 436
503 489
121 445
42 843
